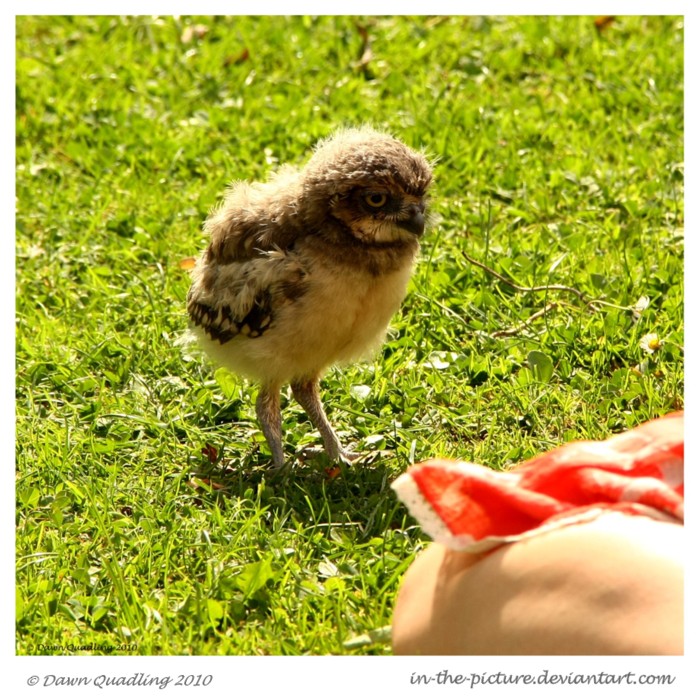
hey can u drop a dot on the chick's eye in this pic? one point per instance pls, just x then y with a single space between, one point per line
376 199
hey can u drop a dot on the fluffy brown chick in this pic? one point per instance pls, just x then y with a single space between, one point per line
305 270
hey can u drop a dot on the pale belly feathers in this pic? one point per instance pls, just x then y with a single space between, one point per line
343 316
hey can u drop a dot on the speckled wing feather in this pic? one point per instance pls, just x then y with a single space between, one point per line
219 323
249 268
243 298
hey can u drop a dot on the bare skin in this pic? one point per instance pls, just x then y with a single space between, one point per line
612 586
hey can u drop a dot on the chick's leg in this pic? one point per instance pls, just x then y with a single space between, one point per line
267 408
307 394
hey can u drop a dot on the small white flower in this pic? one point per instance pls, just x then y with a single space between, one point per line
641 305
360 391
650 343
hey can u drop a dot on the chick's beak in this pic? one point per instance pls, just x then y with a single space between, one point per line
416 222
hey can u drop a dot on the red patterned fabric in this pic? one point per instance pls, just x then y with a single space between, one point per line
473 508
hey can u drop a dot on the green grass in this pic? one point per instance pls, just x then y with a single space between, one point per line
560 162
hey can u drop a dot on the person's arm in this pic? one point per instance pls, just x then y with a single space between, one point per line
610 586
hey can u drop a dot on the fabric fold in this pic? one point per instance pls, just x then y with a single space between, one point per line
470 507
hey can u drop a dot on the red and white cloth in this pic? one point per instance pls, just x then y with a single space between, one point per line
468 507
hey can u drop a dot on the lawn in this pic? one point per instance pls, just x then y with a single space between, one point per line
147 522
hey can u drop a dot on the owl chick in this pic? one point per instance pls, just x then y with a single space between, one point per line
305 270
